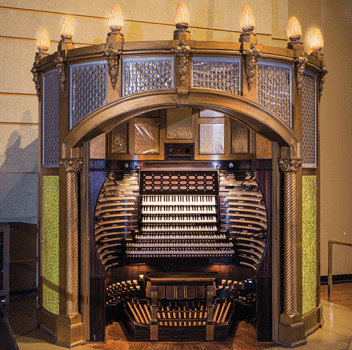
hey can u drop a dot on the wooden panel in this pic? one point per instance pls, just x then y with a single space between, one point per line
97 309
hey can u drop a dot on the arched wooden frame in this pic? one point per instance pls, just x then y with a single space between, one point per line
259 119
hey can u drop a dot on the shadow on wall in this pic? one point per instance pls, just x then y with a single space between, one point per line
19 175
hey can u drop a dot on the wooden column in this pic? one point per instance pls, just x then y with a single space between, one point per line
291 327
70 326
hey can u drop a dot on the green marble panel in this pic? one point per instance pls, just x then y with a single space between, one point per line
309 244
50 245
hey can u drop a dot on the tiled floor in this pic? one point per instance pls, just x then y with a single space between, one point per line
334 335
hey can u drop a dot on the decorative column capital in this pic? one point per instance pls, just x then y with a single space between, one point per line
112 56
182 52
290 165
72 165
251 63
300 66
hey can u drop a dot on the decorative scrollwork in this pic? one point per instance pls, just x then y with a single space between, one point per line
72 165
182 53
60 64
300 66
290 165
35 73
251 62
322 77
112 57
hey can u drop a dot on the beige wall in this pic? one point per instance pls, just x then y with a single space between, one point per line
21 21
335 20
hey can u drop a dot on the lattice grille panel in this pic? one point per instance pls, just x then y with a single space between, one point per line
217 74
51 119
309 141
204 182
274 89
88 89
143 74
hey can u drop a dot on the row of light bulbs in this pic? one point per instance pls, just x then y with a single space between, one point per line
182 20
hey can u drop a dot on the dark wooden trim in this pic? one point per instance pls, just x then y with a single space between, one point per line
48 322
346 278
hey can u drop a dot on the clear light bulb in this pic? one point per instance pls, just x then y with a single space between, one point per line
182 14
294 29
247 20
316 41
67 28
116 19
43 40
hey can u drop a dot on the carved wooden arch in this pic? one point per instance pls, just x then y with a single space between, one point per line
255 116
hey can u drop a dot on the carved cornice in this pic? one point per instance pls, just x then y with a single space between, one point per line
322 77
35 73
251 63
61 66
290 165
182 54
300 66
112 56
72 165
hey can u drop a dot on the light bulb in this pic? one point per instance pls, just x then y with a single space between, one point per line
43 40
316 41
116 19
181 15
293 28
247 20
67 28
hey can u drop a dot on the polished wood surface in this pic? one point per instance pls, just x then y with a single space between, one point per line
242 338
341 294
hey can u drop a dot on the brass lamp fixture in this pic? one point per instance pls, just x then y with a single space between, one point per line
43 44
315 43
181 22
294 33
67 31
116 22
247 24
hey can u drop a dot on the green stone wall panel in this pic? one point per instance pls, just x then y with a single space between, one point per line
309 244
50 258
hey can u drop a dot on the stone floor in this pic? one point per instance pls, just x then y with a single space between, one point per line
334 335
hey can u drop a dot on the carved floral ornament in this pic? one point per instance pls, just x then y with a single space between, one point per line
182 54
251 63
112 56
35 73
61 66
300 66
72 165
322 77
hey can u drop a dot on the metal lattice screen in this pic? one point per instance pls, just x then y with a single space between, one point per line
51 99
150 73
88 89
309 139
274 89
217 73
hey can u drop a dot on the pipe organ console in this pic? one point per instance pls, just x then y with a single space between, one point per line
179 161
161 217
